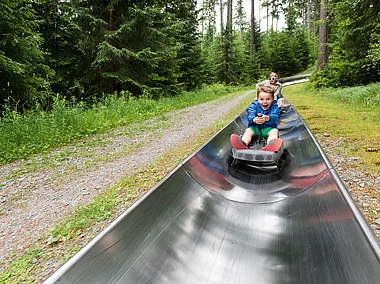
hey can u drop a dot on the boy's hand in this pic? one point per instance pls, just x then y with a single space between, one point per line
260 119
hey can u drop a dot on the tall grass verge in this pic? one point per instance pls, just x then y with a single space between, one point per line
368 95
22 135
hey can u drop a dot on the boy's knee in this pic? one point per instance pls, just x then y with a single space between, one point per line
273 131
250 131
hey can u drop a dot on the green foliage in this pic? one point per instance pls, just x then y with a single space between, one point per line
250 70
285 53
228 73
241 58
368 95
24 73
354 44
337 74
96 47
37 131
62 45
241 18
141 64
189 57
23 268
213 58
373 56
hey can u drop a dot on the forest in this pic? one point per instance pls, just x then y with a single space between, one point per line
84 50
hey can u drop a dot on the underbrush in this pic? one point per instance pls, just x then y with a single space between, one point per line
368 95
36 131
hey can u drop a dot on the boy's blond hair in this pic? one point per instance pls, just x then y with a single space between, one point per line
265 89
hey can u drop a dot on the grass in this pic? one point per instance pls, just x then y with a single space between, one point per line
22 135
353 118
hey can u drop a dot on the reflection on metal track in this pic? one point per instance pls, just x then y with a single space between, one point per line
208 222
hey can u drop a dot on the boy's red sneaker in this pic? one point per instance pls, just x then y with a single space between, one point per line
273 145
237 142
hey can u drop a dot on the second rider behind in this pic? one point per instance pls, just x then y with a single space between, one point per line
262 112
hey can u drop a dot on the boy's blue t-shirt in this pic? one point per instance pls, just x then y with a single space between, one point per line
272 112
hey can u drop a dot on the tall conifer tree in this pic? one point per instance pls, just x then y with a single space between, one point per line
24 72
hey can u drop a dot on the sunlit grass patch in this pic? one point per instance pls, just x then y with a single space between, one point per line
328 112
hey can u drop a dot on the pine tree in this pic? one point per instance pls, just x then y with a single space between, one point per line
61 37
24 73
190 61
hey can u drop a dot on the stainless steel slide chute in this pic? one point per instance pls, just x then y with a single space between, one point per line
208 222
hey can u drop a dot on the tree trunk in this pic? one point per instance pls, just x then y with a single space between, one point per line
213 19
221 22
308 19
229 38
252 38
202 19
316 17
323 37
111 27
267 17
